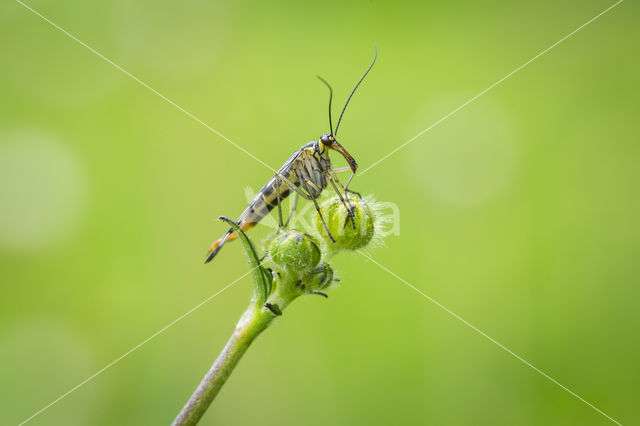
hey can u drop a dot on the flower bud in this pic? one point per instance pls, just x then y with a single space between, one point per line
295 251
341 224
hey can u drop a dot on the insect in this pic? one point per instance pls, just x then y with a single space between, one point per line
307 172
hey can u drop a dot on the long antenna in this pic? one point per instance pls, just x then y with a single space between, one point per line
354 89
330 99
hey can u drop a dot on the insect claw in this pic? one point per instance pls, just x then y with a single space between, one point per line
319 293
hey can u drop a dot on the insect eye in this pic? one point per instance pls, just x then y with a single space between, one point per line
326 139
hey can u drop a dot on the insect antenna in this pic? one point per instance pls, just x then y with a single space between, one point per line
330 99
354 89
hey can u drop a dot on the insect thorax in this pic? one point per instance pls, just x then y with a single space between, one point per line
313 165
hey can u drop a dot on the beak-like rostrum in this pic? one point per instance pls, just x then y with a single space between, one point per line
352 163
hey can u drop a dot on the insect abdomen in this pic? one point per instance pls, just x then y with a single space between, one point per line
264 201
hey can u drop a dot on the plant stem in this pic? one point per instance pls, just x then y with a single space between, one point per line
253 322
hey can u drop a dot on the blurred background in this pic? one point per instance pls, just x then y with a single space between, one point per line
520 212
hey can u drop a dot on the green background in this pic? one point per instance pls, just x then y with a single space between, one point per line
520 212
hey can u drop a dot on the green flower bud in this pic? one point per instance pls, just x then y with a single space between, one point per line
341 224
294 251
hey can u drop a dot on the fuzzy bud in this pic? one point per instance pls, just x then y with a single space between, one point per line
341 224
294 251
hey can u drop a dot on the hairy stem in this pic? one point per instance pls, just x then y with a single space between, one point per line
253 322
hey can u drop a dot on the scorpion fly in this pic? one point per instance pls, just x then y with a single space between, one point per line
307 172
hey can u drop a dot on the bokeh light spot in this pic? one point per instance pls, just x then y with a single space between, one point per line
42 191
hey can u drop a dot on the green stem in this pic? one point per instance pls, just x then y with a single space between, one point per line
253 322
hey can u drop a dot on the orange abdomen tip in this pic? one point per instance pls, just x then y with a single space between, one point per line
230 235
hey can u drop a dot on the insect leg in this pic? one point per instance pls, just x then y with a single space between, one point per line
293 209
344 203
345 169
277 182
353 192
315 203
346 191
341 169
294 187
299 193
307 196
318 190
313 185
346 186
